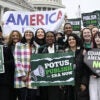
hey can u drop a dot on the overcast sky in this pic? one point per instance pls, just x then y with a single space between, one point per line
85 6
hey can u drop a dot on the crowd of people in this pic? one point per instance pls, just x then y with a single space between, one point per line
15 82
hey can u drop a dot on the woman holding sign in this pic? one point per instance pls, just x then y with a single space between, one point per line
79 91
50 92
94 84
22 54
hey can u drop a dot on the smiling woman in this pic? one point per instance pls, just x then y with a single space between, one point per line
51 92
22 54
80 90
86 37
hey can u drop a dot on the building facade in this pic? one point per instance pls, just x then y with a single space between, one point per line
29 5
14 5
45 5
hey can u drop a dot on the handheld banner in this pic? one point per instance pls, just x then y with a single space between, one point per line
92 60
2 70
52 69
76 24
18 20
91 18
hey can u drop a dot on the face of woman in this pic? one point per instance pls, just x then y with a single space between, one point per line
94 31
40 34
87 35
97 39
28 35
71 41
15 37
50 38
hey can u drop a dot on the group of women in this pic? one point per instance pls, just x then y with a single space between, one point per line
16 80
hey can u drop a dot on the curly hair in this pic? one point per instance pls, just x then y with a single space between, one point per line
10 41
78 41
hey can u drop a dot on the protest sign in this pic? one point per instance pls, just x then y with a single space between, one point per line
52 69
1 60
92 60
76 24
91 18
18 20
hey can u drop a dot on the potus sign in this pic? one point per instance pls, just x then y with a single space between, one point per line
92 60
18 20
52 69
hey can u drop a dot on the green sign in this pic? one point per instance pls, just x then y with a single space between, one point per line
52 69
76 24
90 19
92 60
1 60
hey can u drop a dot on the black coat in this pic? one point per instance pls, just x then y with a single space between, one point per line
81 77
44 48
7 78
51 92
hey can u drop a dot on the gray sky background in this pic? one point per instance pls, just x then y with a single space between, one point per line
85 6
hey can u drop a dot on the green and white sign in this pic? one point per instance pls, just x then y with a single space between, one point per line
2 70
90 19
76 24
92 60
52 69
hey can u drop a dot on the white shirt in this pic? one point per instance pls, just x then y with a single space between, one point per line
51 49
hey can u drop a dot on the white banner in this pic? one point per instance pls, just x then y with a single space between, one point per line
18 20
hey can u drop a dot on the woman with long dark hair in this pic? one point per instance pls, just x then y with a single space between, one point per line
39 38
79 91
94 83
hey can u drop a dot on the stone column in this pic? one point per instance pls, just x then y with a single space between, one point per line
60 1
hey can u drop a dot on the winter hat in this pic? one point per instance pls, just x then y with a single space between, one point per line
28 29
